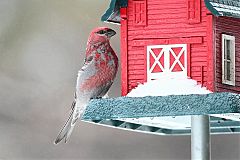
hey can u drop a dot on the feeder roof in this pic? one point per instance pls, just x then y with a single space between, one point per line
112 14
229 8
118 112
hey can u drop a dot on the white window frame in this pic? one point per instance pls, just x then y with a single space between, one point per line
167 69
232 60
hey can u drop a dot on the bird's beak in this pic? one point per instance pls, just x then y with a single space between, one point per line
110 33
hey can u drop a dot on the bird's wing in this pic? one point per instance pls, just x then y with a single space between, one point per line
75 110
103 90
74 114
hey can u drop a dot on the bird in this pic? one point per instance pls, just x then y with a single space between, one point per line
94 78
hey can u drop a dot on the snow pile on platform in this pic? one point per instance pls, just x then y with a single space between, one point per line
168 86
165 87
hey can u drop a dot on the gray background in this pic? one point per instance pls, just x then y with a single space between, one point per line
42 44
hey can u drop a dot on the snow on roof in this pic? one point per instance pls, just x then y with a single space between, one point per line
164 87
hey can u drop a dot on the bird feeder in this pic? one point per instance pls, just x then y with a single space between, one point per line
192 39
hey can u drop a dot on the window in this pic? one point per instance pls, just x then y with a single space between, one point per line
228 59
194 11
140 12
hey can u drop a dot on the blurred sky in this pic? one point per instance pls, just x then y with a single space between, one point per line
42 44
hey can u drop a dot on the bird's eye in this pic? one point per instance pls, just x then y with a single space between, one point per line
101 32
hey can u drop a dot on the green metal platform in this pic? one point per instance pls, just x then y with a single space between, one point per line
127 112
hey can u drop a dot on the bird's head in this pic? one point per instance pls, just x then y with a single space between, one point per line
101 34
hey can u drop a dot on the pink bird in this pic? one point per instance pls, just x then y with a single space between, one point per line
94 78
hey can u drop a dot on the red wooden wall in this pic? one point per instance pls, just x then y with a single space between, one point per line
229 26
166 22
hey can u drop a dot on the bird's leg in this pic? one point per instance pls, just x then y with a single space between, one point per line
96 98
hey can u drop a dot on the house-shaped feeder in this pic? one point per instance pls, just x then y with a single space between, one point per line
195 39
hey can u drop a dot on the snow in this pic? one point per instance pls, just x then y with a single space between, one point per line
168 86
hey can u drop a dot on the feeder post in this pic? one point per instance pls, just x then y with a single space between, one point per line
200 137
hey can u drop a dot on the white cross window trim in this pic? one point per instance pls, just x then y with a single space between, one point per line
167 69
156 60
177 59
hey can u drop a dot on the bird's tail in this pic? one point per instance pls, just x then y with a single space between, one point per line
69 125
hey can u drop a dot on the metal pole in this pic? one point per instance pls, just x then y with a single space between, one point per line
200 138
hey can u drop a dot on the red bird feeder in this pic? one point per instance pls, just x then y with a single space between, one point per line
190 38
